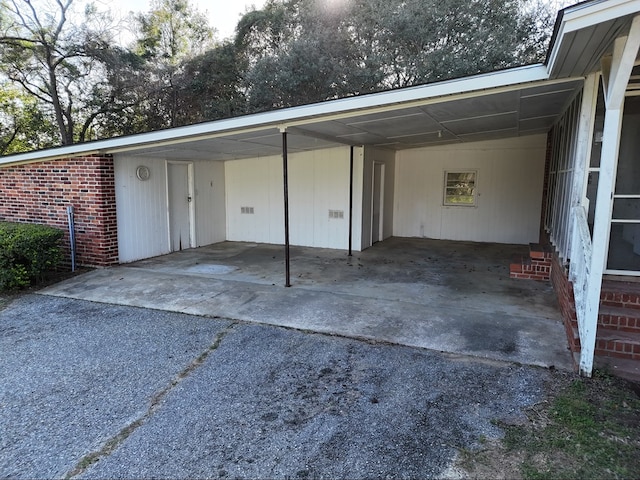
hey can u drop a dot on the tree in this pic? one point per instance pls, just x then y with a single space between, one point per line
301 51
57 61
169 35
211 86
23 127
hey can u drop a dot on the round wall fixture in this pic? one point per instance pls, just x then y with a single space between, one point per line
143 173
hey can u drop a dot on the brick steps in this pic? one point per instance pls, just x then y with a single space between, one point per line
617 346
617 343
620 367
619 318
618 335
535 266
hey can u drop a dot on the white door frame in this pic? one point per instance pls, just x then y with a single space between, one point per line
380 225
192 201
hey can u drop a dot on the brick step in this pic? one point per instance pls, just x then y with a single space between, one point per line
540 252
620 294
618 343
619 318
620 367
529 268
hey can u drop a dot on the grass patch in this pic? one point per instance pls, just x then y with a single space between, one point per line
587 429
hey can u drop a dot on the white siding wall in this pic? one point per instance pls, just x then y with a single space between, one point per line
141 209
509 185
318 182
143 228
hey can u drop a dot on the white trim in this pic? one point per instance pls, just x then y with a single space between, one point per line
380 225
191 194
587 14
626 273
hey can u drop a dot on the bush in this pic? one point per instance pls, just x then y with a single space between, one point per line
26 253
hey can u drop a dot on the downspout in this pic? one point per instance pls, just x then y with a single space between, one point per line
285 174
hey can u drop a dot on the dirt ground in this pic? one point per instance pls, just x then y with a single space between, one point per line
537 448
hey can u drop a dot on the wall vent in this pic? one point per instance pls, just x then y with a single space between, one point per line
336 214
246 210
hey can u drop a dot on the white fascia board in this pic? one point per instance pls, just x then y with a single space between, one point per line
587 15
290 116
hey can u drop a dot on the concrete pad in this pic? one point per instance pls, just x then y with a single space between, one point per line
448 296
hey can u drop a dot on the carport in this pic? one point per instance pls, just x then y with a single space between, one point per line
454 297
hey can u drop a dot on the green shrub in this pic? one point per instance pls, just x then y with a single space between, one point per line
26 253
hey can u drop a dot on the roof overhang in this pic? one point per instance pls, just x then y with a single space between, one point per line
508 103
585 32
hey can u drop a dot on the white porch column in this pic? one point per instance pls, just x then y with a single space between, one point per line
616 71
585 135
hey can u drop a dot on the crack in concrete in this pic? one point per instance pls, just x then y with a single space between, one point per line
112 443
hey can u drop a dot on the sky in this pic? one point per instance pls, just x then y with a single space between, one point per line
223 14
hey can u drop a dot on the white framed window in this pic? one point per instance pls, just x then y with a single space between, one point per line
460 188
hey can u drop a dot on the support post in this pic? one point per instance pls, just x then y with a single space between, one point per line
350 201
615 75
285 175
600 242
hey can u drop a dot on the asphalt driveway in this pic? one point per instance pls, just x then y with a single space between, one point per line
100 391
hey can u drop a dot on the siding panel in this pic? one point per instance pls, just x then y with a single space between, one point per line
509 185
318 182
141 208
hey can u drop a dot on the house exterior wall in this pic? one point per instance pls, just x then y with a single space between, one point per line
142 207
41 192
318 182
509 187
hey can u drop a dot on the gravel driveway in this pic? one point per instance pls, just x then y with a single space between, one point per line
100 391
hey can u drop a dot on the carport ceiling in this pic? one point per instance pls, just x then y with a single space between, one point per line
518 111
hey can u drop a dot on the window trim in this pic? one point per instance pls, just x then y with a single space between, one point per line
474 190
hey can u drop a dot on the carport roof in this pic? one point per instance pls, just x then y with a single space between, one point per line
519 101
508 103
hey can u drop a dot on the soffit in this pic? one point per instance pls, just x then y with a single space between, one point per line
518 111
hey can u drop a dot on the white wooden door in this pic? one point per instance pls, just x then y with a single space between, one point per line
180 198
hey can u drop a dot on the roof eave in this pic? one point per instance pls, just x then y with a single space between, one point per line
281 118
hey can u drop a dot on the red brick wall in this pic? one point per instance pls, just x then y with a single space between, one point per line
564 290
41 192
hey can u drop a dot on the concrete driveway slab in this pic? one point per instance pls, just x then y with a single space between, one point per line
101 391
454 297
456 329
